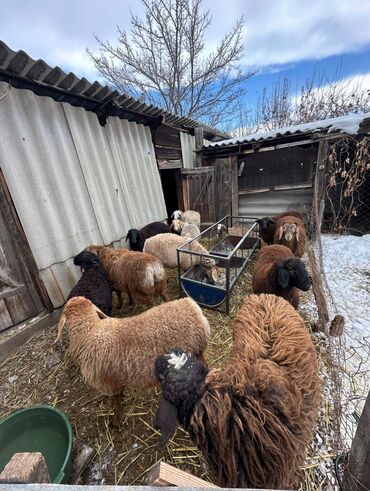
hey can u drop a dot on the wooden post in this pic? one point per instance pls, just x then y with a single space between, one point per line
198 134
234 186
318 202
357 476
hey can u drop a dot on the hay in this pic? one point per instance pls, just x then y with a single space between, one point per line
35 374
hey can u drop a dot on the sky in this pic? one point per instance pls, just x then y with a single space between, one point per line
283 38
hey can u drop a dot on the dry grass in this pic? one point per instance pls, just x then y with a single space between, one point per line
35 374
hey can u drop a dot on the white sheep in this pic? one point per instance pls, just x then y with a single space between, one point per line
188 216
164 247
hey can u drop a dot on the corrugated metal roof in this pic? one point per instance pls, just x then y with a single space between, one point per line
20 69
346 124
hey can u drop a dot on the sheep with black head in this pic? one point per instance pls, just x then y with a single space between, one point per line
94 283
254 418
137 237
278 271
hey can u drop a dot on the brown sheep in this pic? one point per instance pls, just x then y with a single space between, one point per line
278 271
254 418
114 354
290 231
141 276
267 225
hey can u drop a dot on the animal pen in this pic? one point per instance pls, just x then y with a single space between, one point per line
232 242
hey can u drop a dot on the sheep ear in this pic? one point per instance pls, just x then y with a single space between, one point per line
126 238
165 421
280 232
61 324
100 313
283 277
297 235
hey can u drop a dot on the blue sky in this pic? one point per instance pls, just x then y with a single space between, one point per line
283 38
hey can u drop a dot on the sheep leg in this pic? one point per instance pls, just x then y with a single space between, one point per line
119 298
117 408
130 298
202 359
165 297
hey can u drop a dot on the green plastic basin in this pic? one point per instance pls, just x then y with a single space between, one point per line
38 429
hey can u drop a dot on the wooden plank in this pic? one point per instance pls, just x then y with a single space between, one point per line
21 337
167 136
35 285
234 186
166 475
5 319
318 201
168 153
103 487
164 164
19 307
357 476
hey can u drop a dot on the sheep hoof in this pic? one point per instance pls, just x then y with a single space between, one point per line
116 421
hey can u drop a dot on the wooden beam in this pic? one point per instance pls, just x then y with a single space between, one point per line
234 186
318 201
357 476
198 135
164 474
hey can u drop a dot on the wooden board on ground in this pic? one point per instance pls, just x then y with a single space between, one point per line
164 474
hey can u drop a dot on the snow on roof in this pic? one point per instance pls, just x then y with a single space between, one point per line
345 124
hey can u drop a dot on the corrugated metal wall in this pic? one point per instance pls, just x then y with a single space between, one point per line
188 150
270 203
74 182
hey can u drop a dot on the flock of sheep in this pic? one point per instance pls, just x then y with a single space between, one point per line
253 418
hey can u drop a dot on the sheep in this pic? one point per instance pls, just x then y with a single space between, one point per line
164 247
139 275
188 216
231 237
252 419
190 230
118 353
212 276
137 237
266 229
267 225
290 231
94 283
278 271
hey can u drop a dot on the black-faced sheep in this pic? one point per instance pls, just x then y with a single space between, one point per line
114 354
254 418
94 283
290 231
141 276
164 247
137 237
267 225
278 271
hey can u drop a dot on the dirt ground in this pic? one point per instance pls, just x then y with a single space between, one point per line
38 374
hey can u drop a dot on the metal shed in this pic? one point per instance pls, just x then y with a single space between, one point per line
78 165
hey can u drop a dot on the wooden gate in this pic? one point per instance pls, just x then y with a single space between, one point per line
226 187
18 296
198 192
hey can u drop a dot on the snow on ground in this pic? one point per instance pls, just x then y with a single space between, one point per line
346 261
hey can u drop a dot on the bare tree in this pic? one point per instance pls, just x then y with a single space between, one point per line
320 98
163 61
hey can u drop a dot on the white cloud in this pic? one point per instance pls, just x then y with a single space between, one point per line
285 31
277 32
